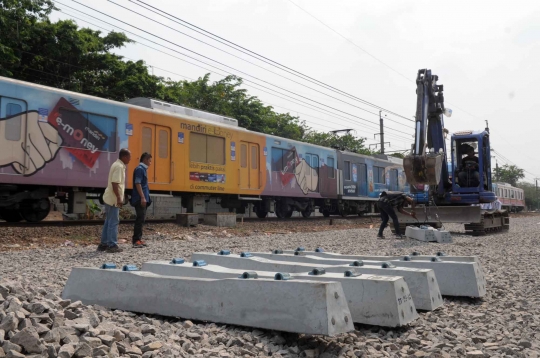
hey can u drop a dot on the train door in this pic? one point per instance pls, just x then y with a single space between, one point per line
13 130
249 166
362 179
156 140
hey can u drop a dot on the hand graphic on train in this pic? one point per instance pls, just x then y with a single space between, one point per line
42 144
306 177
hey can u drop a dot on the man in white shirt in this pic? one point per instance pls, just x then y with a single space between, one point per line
113 199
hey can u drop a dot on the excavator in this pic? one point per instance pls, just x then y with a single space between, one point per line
457 189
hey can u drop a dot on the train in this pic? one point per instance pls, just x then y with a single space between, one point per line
56 143
510 197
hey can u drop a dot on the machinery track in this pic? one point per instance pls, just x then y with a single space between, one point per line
492 221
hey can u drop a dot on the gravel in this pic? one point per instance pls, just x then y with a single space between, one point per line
35 321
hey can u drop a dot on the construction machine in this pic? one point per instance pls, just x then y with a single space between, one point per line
458 191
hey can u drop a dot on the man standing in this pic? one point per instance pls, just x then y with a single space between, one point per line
140 198
113 199
386 204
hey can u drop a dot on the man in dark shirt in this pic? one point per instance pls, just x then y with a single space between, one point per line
469 175
140 198
388 201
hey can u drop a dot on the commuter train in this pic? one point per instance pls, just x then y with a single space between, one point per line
59 143
511 198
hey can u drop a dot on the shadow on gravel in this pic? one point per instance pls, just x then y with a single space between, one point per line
471 301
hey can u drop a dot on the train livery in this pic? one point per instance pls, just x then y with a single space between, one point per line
59 143
511 198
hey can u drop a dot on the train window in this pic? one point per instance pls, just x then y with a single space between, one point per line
315 162
206 149
283 160
330 165
13 125
163 144
347 170
215 150
506 193
85 130
13 109
147 140
254 157
243 155
378 175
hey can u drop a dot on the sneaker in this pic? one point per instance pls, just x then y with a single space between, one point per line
399 237
139 244
380 237
114 249
102 247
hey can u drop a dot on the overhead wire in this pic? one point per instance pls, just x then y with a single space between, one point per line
243 59
362 119
261 57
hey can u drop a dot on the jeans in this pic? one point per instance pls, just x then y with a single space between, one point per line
109 235
139 222
387 212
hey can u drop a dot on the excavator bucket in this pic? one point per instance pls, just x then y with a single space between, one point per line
423 169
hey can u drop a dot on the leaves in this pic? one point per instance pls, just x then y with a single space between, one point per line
510 174
65 56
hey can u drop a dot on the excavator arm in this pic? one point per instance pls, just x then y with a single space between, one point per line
427 163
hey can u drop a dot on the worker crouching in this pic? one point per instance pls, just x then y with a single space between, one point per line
388 202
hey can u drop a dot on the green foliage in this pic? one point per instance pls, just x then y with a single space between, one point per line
510 174
65 56
345 142
398 155
531 194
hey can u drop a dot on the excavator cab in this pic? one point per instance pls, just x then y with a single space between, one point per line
471 167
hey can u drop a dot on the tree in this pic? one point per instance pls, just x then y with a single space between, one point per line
530 193
225 97
344 142
17 18
62 55
510 174
398 155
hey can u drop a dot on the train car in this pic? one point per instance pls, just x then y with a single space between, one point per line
511 198
362 179
60 143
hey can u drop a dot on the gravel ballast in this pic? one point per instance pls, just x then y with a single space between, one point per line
35 321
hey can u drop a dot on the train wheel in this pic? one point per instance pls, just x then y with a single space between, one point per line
306 213
35 210
261 214
11 216
288 214
326 213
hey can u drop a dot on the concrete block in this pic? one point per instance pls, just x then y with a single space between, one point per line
455 278
308 307
376 300
187 219
414 256
422 282
442 236
220 219
416 233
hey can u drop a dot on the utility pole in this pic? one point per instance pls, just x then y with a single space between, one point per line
382 131
537 203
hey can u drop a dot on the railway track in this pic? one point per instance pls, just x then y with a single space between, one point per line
71 223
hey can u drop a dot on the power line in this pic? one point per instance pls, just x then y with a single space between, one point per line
335 109
262 58
240 58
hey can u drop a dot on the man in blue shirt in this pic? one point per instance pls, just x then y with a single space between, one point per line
140 198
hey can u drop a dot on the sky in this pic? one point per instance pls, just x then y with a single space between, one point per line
486 54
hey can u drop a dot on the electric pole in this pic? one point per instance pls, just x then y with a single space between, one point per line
382 131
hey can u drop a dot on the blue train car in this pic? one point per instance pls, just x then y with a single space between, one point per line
362 178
